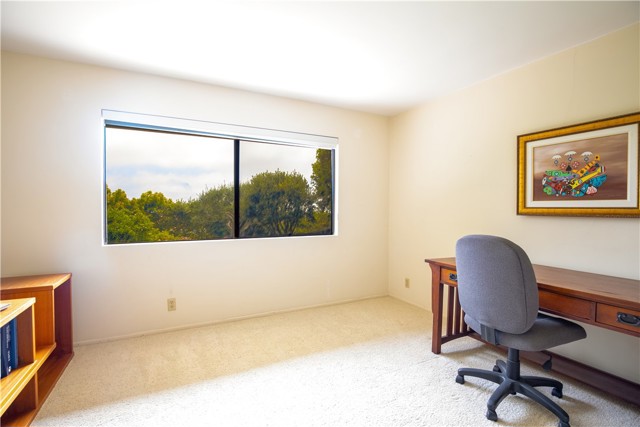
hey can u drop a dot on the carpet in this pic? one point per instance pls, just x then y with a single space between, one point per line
365 363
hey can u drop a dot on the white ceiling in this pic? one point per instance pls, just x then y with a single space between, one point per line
381 57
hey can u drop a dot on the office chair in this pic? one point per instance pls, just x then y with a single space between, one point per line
499 297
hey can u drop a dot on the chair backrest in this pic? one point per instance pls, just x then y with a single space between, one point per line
496 283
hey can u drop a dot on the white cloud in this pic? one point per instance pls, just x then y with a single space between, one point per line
182 166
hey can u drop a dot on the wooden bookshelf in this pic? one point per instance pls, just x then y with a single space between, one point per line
18 389
52 339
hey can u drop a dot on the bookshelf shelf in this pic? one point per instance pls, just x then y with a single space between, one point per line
52 341
18 388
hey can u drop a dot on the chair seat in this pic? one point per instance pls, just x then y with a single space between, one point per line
546 332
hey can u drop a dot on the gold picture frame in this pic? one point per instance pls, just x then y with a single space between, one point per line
588 169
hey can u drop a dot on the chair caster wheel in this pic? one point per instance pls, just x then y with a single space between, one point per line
563 424
558 393
460 379
491 415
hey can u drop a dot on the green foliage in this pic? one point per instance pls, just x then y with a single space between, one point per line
274 203
212 214
171 218
320 224
323 180
128 223
271 204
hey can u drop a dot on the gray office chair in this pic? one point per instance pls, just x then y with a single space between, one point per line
499 296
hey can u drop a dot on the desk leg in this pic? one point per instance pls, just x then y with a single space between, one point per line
436 308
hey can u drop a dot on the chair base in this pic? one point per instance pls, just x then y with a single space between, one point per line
507 375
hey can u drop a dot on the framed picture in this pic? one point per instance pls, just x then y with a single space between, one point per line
589 169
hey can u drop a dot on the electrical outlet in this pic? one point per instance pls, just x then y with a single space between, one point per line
407 282
171 304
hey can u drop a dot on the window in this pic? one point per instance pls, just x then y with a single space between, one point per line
170 179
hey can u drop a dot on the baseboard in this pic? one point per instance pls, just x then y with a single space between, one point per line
221 321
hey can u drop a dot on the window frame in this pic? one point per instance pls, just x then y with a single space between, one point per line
237 133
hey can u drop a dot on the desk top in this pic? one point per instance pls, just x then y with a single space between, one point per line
591 286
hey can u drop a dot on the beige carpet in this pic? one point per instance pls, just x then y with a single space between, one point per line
366 363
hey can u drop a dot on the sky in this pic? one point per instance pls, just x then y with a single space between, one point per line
183 166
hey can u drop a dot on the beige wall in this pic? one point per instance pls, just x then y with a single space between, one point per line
453 172
52 142
408 188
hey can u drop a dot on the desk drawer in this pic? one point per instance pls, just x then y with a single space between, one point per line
448 276
629 319
567 306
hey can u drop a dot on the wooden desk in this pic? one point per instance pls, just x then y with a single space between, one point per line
605 301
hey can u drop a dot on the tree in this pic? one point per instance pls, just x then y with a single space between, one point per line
271 204
275 203
168 216
128 223
322 179
212 213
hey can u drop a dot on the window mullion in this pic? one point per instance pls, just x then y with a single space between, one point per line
236 188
